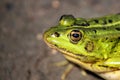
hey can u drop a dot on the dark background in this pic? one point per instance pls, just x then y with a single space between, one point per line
23 53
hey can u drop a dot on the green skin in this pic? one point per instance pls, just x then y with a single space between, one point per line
96 48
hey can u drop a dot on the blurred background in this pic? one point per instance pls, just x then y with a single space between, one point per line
23 53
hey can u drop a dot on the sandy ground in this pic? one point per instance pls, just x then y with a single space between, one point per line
23 53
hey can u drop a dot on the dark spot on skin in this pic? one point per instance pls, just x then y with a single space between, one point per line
82 24
115 51
118 37
95 31
106 38
89 46
117 29
96 21
110 21
104 28
56 45
111 41
87 24
104 22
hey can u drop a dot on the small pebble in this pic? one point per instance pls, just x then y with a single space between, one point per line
54 51
83 72
39 36
55 4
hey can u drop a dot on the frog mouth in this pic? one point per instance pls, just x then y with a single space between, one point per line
79 56
65 52
77 60
61 50
71 57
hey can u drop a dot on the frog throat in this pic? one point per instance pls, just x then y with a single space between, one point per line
71 54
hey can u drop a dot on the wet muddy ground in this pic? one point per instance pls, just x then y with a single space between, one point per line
23 53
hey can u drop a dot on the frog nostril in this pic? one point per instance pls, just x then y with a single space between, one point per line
56 34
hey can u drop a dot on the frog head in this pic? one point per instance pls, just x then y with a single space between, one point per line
85 44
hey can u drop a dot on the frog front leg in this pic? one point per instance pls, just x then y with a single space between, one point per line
107 65
108 69
113 62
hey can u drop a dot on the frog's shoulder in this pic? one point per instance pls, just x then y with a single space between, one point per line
107 20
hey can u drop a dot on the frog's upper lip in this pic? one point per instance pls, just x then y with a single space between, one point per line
55 46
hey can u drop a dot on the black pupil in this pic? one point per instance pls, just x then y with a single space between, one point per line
76 35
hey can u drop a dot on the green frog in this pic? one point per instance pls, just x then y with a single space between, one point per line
93 43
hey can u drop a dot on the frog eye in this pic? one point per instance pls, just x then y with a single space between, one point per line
75 36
